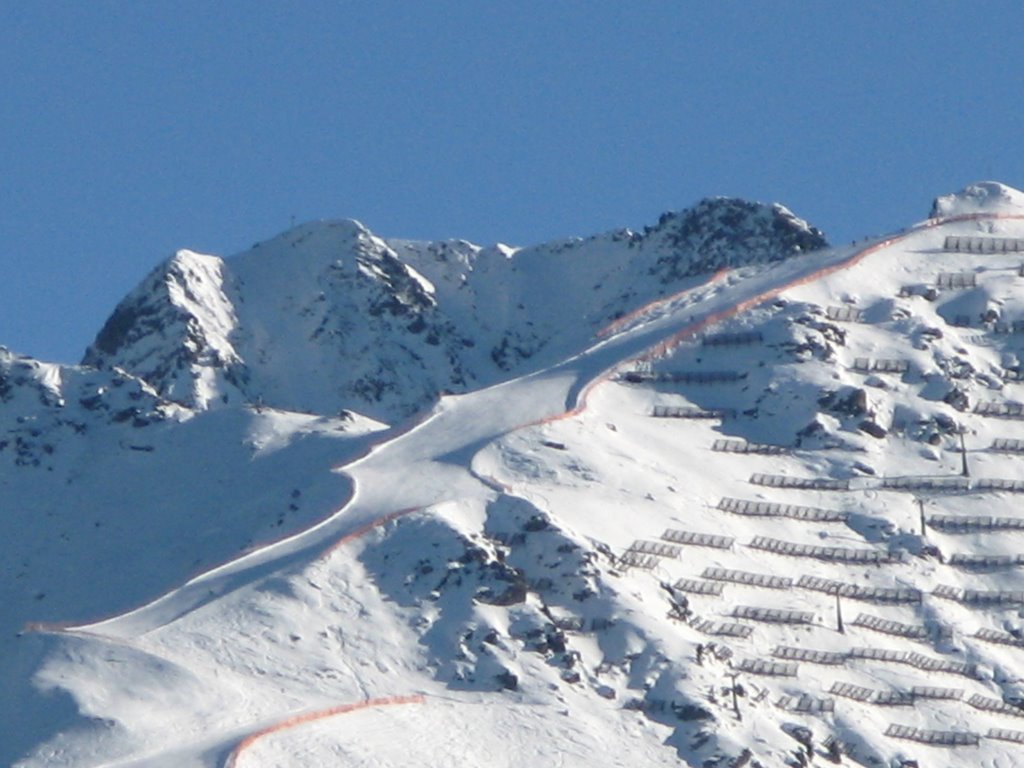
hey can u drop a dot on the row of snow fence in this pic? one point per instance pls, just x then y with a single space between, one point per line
1007 445
925 483
700 377
694 539
767 667
997 706
956 280
880 365
974 244
914 659
684 377
935 692
690 412
772 615
894 698
973 523
775 509
633 559
855 692
886 595
747 578
999 638
739 339
998 484
828 554
725 445
973 562
800 483
882 595
1000 409
982 597
933 738
845 314
889 627
998 597
722 628
645 554
1002 734
828 658
805 704
656 548
699 587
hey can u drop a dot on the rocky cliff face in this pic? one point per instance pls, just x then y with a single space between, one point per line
174 330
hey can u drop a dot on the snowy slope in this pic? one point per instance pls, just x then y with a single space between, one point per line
541 571
383 327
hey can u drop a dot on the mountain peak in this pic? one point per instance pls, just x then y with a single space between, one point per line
732 502
174 330
728 232
383 326
980 197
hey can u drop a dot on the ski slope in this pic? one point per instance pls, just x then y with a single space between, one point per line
200 696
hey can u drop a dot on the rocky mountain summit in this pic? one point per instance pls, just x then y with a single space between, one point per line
384 326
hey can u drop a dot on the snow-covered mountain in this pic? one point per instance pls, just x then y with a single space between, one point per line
710 494
384 326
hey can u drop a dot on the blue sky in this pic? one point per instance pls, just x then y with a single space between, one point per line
131 129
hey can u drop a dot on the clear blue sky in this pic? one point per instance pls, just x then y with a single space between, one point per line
131 129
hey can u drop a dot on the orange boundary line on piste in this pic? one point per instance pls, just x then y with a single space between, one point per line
666 346
658 350
365 529
309 717
57 627
615 325
655 351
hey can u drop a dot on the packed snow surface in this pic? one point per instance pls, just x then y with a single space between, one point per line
725 499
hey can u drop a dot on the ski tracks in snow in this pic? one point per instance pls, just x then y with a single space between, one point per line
646 334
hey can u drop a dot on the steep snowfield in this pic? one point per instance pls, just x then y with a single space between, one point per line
540 571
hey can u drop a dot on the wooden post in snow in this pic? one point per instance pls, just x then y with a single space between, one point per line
963 455
735 698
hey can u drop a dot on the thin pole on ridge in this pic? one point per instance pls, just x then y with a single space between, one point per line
965 471
735 700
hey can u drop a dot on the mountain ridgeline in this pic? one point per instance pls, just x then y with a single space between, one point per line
711 494
329 317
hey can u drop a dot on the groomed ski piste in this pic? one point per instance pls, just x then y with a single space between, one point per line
328 647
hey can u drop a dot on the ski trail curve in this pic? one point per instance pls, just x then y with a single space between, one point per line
459 425
309 717
574 379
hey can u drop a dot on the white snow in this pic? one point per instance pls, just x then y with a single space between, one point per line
980 197
494 589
